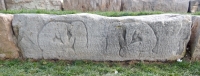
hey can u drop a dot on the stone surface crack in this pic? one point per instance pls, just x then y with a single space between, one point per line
73 46
106 44
69 34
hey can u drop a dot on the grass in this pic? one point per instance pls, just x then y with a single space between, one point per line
196 13
118 14
110 14
91 68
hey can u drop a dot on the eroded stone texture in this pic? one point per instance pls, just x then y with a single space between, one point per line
2 5
92 5
33 4
194 43
94 37
8 48
128 5
156 5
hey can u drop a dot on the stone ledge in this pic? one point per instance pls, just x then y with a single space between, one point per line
93 37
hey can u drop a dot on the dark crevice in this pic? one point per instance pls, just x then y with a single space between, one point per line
12 30
97 4
188 54
122 6
15 33
74 45
69 34
20 53
106 44
5 5
124 35
190 46
189 7
62 6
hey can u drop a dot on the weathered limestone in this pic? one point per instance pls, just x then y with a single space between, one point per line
127 5
94 37
2 5
33 4
8 48
156 5
92 5
194 43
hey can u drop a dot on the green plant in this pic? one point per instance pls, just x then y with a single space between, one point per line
90 68
110 14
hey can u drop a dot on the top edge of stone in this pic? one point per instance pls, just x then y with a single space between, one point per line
155 17
94 14
5 14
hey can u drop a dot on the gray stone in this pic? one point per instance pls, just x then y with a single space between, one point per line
194 43
180 6
156 5
2 5
33 4
94 37
92 5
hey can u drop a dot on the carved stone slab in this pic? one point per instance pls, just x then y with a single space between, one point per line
93 37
